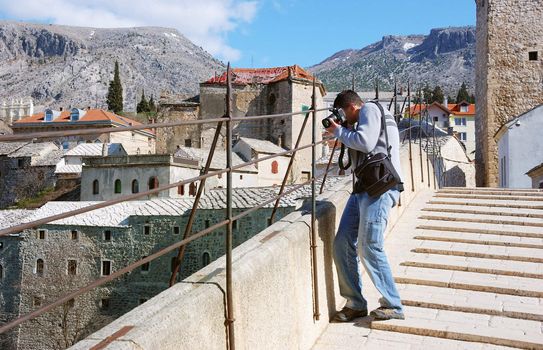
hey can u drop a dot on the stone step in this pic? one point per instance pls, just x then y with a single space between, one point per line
467 209
485 219
467 227
464 238
472 301
536 190
465 326
502 192
486 203
467 197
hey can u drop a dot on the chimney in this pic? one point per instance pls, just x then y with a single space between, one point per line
446 101
61 108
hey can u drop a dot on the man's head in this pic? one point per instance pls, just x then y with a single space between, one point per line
350 102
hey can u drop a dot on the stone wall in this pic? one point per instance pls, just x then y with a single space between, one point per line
507 83
169 138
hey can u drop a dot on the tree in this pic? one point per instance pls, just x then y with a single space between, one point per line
152 105
450 99
143 105
463 94
115 92
471 98
437 95
427 94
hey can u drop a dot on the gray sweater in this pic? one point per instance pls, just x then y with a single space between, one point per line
367 137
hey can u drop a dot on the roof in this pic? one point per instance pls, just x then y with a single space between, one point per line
218 161
263 146
534 170
245 76
452 108
13 217
10 147
90 116
68 169
118 215
95 149
41 153
455 108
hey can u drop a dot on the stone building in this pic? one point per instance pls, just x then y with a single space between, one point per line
26 169
16 109
173 108
40 264
509 71
265 91
520 148
134 142
536 174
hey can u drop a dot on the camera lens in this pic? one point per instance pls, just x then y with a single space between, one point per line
326 122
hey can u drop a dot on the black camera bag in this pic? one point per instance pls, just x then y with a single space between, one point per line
376 174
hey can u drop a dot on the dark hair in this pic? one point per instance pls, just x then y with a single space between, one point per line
346 97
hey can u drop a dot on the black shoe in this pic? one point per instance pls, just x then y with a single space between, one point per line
347 314
386 313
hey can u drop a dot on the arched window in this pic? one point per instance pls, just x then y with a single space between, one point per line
206 259
95 187
153 182
40 265
181 190
275 167
1 272
118 186
192 189
135 186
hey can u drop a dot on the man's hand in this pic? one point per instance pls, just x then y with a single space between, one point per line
333 126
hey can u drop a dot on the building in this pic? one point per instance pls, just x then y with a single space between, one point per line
40 264
272 171
456 118
520 148
173 108
265 91
109 177
509 71
16 109
27 170
536 174
134 142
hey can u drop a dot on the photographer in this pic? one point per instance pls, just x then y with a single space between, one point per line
365 217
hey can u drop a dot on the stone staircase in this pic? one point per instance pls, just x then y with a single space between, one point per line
469 266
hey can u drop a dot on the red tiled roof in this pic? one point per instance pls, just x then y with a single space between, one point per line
454 108
244 76
91 115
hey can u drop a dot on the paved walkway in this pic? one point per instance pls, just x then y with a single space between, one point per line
469 266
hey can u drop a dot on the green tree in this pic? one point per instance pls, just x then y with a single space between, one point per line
143 105
152 105
115 92
463 94
427 94
437 95
451 99
471 98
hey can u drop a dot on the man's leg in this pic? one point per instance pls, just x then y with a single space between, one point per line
346 258
373 221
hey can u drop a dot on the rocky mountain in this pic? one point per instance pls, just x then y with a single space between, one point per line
63 66
445 57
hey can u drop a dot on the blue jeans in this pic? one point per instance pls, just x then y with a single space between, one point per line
360 237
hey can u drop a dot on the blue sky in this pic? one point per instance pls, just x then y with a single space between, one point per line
258 33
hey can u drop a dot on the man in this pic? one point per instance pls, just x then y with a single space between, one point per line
364 219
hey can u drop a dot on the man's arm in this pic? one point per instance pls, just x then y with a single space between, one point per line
364 138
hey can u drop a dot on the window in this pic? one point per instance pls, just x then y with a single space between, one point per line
176 230
135 186
106 268
133 136
36 301
72 267
275 167
107 235
95 187
235 225
541 184
1 245
206 259
75 234
207 223
436 119
40 267
241 177
104 303
149 141
464 108
118 186
138 151
41 234
145 267
153 182
1 272
463 136
147 229
460 121
188 143
192 189
20 163
181 190
65 145
532 56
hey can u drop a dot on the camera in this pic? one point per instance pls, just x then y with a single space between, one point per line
337 115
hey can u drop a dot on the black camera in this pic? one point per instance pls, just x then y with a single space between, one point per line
338 116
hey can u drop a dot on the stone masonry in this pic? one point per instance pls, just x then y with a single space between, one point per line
509 71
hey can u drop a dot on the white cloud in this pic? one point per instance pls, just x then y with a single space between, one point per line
205 22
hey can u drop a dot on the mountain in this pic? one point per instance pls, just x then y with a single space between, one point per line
445 57
63 66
